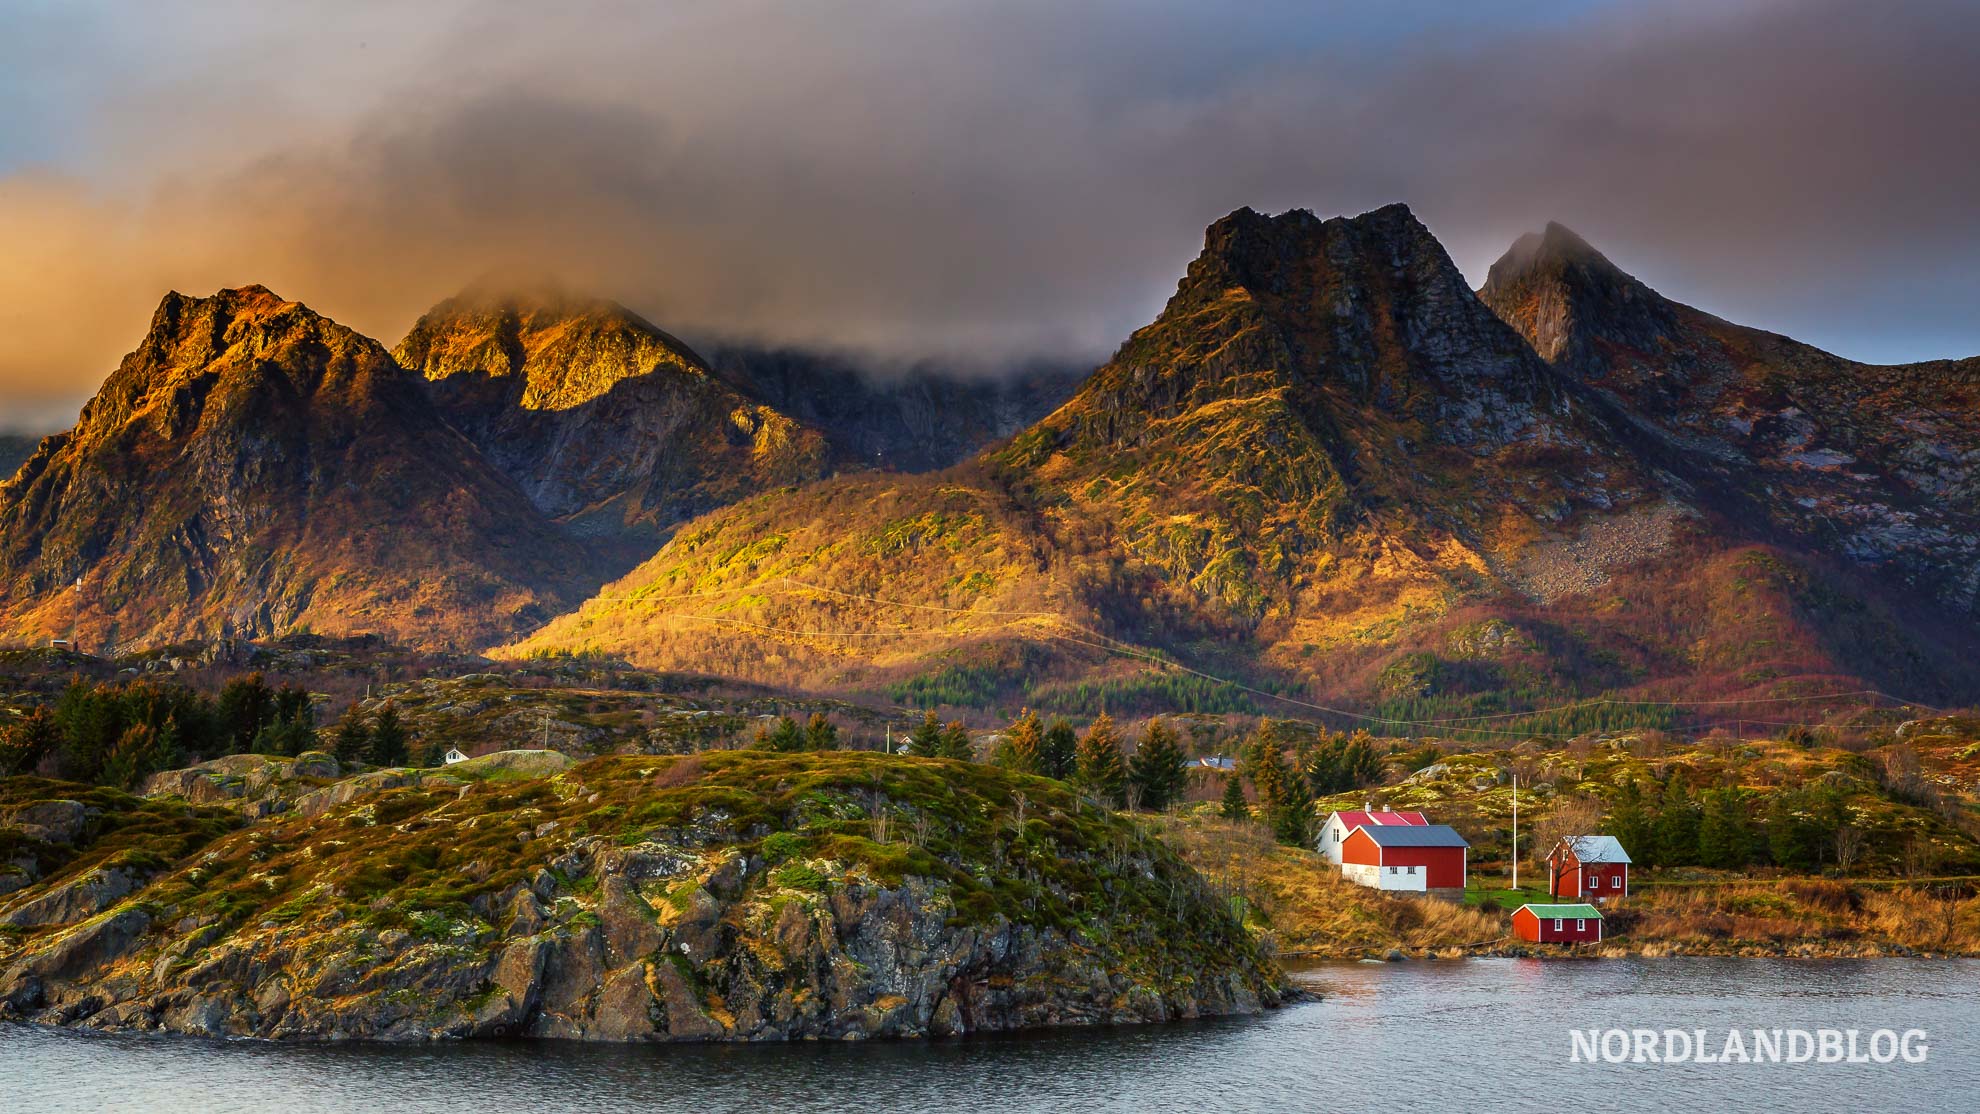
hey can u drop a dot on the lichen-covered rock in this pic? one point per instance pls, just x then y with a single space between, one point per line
733 896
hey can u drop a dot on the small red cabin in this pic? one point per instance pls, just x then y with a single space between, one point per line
1558 924
1594 868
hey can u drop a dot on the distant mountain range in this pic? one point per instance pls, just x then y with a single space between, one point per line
1329 470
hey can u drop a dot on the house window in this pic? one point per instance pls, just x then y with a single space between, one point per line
1392 870
1412 870
1557 924
1337 835
1581 924
1595 882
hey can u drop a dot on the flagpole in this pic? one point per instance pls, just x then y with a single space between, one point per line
1515 831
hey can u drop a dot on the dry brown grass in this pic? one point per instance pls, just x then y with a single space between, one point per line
1803 915
1300 901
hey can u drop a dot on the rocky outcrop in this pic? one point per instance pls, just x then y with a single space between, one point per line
253 468
739 896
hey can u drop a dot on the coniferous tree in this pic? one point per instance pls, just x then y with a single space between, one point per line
353 740
956 743
1725 841
130 759
1235 807
1100 769
786 737
1791 839
247 705
1023 745
1059 756
820 733
1159 771
389 744
1630 822
1677 827
25 743
1292 820
925 741
1268 768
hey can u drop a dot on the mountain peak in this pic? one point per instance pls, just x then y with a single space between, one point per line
1562 295
553 348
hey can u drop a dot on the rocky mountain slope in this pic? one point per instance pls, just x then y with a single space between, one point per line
1326 468
918 419
613 428
727 896
253 467
1876 465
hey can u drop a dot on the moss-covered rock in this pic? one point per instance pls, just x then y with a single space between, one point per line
735 895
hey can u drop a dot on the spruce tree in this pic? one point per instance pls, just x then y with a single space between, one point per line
27 741
820 733
956 742
389 745
925 741
1629 822
247 705
1023 746
1234 807
1159 771
1725 842
1292 820
1100 769
353 740
1677 827
1059 757
1268 768
787 736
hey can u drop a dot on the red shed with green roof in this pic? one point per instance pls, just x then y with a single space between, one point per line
1558 924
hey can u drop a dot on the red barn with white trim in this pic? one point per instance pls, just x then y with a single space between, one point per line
1558 924
1591 867
1418 857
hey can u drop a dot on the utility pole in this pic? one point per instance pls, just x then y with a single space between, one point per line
1515 852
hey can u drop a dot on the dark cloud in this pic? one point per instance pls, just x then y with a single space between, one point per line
986 181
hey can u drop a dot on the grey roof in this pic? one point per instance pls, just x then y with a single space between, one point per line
1598 849
1414 835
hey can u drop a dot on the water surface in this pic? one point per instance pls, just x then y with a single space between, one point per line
1477 1035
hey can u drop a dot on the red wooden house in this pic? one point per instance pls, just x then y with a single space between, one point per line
1595 868
1420 857
1558 924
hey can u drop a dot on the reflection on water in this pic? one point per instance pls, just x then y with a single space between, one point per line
1479 1035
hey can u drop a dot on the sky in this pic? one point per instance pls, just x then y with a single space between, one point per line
970 182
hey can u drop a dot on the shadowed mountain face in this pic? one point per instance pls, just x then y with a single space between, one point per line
1327 467
918 420
14 449
1877 466
614 428
253 467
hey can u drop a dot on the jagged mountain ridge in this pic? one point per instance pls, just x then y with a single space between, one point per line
613 427
253 467
1327 466
1877 465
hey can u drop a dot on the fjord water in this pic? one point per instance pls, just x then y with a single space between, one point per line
1478 1035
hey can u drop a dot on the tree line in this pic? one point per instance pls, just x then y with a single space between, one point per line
1729 828
120 733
